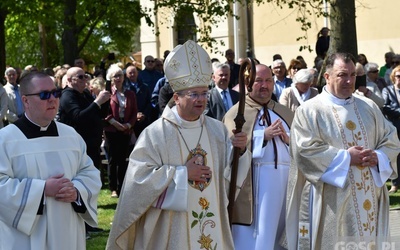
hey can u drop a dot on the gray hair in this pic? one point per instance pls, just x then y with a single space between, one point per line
370 66
278 61
217 66
9 69
304 76
112 70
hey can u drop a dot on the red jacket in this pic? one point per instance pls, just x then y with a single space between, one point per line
130 110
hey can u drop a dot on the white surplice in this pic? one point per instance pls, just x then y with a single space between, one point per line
24 167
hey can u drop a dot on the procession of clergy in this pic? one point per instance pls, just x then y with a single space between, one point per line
310 179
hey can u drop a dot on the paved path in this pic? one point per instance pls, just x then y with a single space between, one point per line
394 223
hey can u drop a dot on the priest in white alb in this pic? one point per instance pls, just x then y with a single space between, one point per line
175 190
342 144
48 184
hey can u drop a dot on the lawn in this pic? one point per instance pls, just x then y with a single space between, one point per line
105 211
107 205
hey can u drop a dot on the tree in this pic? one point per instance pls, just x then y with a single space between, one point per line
52 32
211 12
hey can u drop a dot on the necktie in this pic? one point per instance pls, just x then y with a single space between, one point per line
18 100
225 100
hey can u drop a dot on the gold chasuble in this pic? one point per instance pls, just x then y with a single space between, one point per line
204 218
347 203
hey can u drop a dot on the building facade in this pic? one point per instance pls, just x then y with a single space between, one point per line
275 31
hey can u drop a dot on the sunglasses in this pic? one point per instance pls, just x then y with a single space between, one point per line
373 71
150 61
45 95
396 62
81 76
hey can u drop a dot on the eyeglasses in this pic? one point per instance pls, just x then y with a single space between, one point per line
196 96
81 77
118 76
373 71
45 95
150 61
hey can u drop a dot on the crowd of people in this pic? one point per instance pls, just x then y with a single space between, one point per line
312 168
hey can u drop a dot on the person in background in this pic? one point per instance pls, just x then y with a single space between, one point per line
388 64
300 91
367 89
96 85
3 105
15 107
361 58
122 118
280 79
391 109
294 66
48 183
323 40
340 159
85 114
221 97
143 101
175 196
234 67
371 69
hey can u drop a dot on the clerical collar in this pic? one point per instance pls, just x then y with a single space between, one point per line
184 123
41 128
336 100
32 130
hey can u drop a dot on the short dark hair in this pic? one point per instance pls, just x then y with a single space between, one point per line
346 57
26 80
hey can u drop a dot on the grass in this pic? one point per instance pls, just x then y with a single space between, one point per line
106 208
105 212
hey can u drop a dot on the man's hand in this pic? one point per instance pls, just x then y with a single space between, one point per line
196 170
362 157
103 96
276 129
140 117
239 140
55 183
67 194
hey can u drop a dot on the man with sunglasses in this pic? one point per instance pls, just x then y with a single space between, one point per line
48 183
84 113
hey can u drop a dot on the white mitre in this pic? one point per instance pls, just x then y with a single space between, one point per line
188 66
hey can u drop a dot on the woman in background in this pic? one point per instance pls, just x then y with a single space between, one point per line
122 117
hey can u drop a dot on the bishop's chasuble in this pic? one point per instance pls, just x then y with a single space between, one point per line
349 202
159 208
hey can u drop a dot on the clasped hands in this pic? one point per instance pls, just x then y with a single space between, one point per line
62 189
276 129
363 157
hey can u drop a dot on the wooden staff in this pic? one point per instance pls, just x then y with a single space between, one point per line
247 75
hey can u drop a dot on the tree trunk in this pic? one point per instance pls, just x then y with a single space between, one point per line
3 15
70 35
343 27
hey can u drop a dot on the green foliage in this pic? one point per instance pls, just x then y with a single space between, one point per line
101 26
